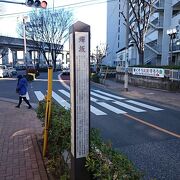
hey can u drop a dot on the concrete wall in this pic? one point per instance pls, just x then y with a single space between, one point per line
149 82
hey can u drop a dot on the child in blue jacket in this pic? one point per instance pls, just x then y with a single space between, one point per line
22 90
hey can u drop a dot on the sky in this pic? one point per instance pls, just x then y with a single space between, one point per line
91 12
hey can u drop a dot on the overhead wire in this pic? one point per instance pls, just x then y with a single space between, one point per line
67 6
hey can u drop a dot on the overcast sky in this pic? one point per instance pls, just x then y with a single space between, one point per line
90 12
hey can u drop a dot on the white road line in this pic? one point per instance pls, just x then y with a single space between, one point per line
97 111
93 99
100 96
93 109
39 95
60 100
110 95
65 93
144 105
129 106
62 82
111 108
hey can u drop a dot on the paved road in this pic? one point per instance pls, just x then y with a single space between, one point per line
148 133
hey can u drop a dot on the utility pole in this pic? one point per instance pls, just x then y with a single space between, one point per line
97 59
127 46
24 37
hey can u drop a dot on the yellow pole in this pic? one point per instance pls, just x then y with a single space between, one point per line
48 110
46 130
50 74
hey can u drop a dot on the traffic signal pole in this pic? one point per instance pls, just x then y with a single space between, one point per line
12 2
30 3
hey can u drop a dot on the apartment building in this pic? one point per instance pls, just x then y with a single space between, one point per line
160 48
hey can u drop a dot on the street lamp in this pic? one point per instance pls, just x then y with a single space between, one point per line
24 20
172 34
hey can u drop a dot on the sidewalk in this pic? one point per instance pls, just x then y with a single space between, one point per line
20 158
162 97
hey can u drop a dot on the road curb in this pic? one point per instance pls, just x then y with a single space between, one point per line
34 105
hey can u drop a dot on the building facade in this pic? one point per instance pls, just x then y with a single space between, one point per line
160 48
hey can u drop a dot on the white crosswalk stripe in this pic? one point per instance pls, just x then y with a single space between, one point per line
110 95
60 100
144 105
129 106
99 101
93 109
100 96
39 95
111 108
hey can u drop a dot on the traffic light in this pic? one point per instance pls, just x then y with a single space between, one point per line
36 4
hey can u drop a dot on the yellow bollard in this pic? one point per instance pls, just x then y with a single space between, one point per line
48 110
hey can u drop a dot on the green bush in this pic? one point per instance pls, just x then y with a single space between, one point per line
153 66
103 163
94 77
58 140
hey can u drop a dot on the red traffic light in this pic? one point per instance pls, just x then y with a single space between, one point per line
43 4
36 4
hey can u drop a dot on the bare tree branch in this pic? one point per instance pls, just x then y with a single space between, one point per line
141 10
51 28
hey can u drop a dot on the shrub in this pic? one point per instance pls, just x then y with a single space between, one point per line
103 162
153 66
58 140
94 77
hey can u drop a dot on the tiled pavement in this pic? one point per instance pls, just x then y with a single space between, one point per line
20 157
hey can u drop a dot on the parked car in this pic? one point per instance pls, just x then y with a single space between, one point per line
12 70
4 72
66 71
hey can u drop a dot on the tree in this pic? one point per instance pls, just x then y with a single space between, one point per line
141 10
49 30
100 53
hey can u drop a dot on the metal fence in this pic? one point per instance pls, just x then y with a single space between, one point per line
172 74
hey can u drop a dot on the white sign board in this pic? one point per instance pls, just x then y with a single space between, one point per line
72 92
153 72
80 67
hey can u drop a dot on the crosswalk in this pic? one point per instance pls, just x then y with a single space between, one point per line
102 103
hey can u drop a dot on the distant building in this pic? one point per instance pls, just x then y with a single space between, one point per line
12 52
165 15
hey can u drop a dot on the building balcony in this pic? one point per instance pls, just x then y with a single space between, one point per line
154 46
175 47
176 19
175 3
156 24
158 6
